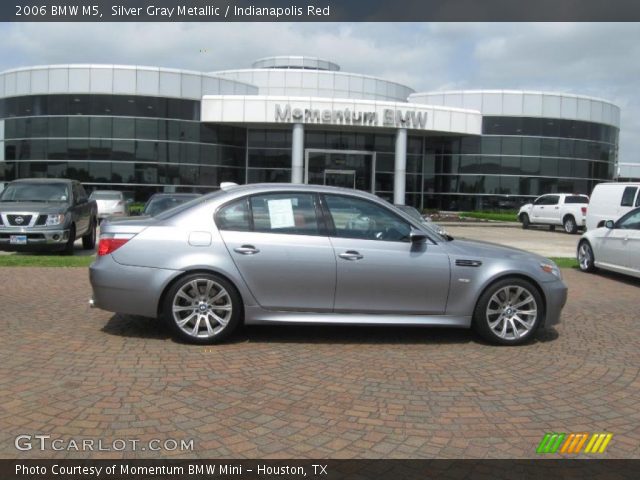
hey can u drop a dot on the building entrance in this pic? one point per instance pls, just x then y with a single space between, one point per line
340 168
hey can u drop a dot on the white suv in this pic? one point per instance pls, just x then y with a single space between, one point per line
565 209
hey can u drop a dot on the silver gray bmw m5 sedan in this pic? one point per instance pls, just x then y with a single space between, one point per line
284 253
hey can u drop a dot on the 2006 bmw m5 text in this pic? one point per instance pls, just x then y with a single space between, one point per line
284 253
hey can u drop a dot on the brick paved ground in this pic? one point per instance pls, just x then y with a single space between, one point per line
276 392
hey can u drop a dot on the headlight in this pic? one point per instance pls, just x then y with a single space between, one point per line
56 219
551 268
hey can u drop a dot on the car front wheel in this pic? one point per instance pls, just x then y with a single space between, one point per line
509 312
202 308
524 218
585 257
89 239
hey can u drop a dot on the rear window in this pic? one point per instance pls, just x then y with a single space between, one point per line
628 196
576 199
106 196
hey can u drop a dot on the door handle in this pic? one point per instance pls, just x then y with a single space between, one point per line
351 255
557 208
246 250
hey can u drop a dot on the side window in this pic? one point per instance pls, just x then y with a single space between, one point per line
82 194
638 200
627 197
552 200
357 218
292 213
630 222
540 200
234 216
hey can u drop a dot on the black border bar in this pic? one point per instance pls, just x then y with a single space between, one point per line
556 469
319 10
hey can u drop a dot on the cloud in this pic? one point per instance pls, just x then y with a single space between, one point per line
601 60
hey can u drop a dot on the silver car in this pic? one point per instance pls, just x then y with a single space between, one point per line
110 202
297 254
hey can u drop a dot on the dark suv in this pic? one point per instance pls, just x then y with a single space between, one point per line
46 214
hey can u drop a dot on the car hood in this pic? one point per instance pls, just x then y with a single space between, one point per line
36 207
481 249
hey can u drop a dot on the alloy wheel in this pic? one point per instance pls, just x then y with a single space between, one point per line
202 308
511 312
585 257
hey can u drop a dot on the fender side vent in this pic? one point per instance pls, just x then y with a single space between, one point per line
461 262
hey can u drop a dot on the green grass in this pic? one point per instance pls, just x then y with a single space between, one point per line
497 216
36 260
565 262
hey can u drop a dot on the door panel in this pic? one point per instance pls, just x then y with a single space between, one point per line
390 277
286 272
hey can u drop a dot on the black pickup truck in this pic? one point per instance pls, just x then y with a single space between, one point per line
39 214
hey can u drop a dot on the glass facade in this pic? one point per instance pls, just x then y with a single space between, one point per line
149 144
145 143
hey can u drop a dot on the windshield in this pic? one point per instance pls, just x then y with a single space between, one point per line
106 196
432 228
35 192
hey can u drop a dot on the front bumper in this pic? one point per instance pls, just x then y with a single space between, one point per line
127 289
556 297
37 238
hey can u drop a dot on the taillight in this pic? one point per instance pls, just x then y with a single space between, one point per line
584 210
110 243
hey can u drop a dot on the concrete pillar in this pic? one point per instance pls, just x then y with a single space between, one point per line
400 169
297 153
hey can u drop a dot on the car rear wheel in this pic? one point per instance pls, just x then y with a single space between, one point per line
89 239
509 312
524 218
569 224
585 257
202 308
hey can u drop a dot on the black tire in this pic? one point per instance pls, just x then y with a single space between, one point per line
569 224
585 256
512 335
68 248
89 239
552 228
524 218
204 327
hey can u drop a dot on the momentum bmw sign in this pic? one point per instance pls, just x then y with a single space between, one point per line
389 118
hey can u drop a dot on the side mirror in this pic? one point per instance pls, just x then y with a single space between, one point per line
417 236
609 224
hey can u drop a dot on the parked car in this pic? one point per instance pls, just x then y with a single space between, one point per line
610 201
159 202
46 214
565 209
110 202
281 253
615 246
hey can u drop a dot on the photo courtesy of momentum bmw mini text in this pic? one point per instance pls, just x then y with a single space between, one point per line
335 240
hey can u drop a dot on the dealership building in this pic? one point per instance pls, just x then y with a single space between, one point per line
302 120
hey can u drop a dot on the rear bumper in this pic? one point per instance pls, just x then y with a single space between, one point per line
37 239
556 297
127 289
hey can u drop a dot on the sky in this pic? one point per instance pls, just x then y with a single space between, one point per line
595 59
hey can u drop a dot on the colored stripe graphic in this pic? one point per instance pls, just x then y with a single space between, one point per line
572 443
550 443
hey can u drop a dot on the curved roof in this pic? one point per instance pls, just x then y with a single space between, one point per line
117 79
296 61
526 103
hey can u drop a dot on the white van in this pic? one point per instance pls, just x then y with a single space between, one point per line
610 201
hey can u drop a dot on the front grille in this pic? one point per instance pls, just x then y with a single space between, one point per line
42 220
19 220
